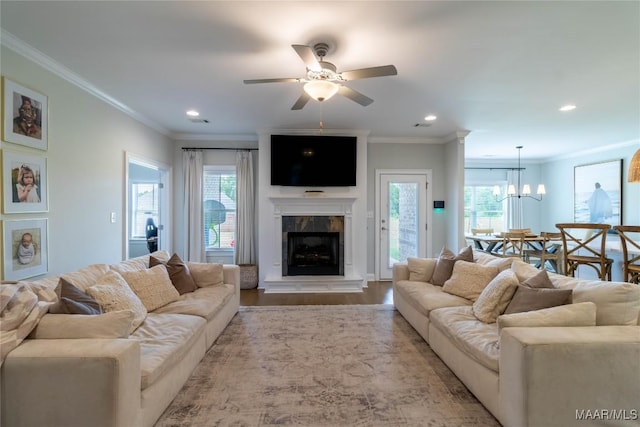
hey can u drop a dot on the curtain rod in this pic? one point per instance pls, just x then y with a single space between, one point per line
504 169
219 148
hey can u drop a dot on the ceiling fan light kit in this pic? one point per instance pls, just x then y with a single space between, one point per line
322 81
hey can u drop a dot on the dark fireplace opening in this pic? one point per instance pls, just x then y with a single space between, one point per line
313 253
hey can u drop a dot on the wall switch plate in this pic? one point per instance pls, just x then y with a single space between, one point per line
113 217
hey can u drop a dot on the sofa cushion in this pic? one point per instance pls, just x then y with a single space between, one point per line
115 324
86 276
523 270
469 279
178 273
581 314
617 303
153 286
446 262
203 302
206 274
425 297
139 263
164 340
421 269
113 294
73 301
477 339
495 297
528 299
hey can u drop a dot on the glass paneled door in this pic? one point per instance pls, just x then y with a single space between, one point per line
402 220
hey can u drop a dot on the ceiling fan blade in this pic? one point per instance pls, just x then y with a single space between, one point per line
308 57
355 96
284 80
363 73
301 102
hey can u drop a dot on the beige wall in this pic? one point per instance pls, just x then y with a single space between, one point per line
86 167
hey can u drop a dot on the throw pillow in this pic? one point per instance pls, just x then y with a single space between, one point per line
178 273
494 298
523 270
421 269
205 274
469 279
446 261
73 301
153 286
529 299
113 294
540 281
115 324
618 303
582 314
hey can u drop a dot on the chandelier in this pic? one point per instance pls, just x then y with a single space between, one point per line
513 191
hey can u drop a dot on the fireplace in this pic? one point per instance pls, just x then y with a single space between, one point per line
313 253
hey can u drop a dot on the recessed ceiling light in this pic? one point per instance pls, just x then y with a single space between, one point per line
568 107
192 113
430 118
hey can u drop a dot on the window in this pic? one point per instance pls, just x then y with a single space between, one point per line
481 210
219 208
144 204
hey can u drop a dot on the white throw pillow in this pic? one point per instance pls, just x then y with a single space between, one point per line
618 303
421 269
495 297
469 279
206 274
113 294
115 324
153 286
582 314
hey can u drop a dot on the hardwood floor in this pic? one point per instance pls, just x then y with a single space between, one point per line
375 293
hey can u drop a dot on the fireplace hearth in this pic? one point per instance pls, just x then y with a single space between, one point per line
313 253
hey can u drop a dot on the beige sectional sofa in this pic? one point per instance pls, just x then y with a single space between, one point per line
76 370
576 364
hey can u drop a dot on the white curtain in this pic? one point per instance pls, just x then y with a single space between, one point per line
514 204
245 209
192 204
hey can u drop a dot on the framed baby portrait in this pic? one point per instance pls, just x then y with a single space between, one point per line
24 248
25 115
24 178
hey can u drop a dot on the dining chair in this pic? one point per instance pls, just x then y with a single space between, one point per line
585 244
482 231
520 230
630 251
549 250
513 245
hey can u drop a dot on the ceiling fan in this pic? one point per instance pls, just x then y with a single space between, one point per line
322 81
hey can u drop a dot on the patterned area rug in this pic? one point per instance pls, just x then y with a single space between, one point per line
353 365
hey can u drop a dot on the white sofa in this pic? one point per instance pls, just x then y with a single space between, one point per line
542 376
113 381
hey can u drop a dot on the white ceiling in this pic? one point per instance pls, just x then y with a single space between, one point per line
497 69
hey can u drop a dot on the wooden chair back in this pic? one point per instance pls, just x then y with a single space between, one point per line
630 242
585 244
513 245
549 251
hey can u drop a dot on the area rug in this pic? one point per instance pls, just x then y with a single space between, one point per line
346 365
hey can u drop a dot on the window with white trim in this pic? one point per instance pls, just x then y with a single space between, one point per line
145 202
481 209
219 208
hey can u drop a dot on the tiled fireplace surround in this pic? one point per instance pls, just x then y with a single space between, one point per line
313 214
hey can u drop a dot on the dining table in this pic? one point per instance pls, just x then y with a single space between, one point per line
492 244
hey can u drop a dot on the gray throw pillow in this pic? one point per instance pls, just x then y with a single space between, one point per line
529 299
73 301
540 280
445 263
179 273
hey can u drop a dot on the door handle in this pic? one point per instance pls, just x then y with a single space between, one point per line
383 228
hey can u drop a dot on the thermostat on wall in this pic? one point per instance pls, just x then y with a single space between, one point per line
438 204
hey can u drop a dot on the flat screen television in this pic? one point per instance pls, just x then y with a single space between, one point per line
313 160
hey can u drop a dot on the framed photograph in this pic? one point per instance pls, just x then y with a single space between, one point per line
25 248
24 178
597 193
25 115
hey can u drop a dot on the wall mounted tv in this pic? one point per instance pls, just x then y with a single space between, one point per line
313 160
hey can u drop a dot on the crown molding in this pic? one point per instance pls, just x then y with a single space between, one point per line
21 48
596 150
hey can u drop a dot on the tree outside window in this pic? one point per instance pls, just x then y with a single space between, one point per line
219 209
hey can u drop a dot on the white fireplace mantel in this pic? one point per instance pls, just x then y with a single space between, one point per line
313 206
